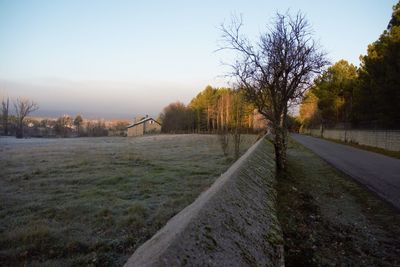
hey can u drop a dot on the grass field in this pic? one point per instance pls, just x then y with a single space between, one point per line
93 201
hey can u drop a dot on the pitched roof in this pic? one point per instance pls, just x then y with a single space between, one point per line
143 121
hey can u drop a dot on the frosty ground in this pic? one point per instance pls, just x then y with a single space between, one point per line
95 200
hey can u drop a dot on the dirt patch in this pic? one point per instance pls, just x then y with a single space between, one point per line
330 220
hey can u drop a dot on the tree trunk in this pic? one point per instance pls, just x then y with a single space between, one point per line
221 112
280 143
213 123
20 130
5 123
217 116
208 119
236 140
238 126
198 120
227 115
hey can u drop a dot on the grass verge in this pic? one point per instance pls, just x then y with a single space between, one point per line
330 220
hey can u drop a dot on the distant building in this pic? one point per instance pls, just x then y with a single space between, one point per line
145 125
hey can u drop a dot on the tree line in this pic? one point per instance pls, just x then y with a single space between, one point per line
366 96
213 110
221 111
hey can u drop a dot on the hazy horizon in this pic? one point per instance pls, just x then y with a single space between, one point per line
95 99
122 59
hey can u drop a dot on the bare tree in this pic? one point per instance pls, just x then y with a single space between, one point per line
63 126
5 107
78 122
23 107
275 71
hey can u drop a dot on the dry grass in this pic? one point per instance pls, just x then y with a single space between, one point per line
93 201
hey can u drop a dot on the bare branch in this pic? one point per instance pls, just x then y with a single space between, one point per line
23 107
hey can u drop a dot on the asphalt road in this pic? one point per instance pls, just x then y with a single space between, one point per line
381 174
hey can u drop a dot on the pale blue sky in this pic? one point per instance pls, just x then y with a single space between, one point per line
120 58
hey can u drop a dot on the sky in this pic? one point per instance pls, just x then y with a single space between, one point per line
121 59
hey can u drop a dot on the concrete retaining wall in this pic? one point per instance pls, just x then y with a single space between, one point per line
389 140
233 223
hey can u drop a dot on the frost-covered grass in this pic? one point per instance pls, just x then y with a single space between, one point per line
93 201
